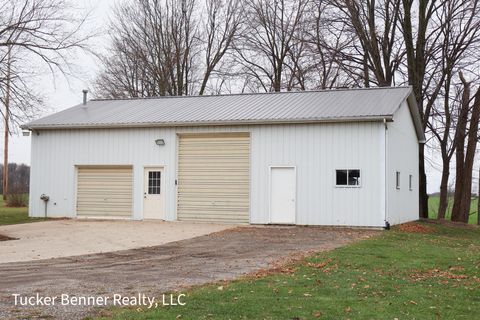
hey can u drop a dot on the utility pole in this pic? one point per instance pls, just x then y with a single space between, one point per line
7 130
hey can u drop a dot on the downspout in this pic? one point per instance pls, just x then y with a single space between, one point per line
387 224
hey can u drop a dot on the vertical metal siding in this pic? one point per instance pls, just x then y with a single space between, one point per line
402 155
213 177
315 149
56 153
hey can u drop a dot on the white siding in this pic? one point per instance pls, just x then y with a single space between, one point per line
402 155
316 150
55 154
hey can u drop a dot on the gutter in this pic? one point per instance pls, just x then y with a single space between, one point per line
205 123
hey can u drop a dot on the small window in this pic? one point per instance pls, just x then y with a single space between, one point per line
154 179
348 177
410 187
397 179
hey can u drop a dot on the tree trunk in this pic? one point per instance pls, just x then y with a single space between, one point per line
204 81
422 183
469 159
443 205
460 136
465 159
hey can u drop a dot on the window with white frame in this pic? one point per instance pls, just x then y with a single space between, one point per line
397 179
347 178
410 185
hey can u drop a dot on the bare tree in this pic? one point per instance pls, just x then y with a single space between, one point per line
265 44
126 73
375 48
18 179
223 21
327 39
155 49
465 151
457 42
46 29
420 36
35 32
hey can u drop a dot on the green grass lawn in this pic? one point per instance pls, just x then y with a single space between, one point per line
433 202
396 275
15 215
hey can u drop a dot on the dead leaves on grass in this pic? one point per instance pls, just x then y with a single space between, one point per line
439 274
326 266
415 228
286 265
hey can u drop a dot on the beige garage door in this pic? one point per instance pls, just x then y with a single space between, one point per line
213 177
104 191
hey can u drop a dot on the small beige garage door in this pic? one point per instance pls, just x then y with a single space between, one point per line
213 177
104 191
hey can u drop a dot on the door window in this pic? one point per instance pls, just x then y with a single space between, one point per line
154 179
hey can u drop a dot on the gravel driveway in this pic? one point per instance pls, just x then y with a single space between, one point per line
156 270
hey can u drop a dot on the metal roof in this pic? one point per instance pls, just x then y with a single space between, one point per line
283 107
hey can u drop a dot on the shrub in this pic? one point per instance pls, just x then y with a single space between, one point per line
17 200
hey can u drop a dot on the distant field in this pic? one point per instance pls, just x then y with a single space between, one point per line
15 215
433 209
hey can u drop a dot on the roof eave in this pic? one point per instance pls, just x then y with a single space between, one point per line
417 119
206 123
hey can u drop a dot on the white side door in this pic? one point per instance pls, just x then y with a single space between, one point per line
153 194
282 195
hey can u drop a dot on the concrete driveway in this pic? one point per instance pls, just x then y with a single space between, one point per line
65 238
160 269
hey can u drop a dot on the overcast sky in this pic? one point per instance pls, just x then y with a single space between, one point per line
61 94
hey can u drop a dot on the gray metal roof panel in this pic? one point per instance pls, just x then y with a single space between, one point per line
327 105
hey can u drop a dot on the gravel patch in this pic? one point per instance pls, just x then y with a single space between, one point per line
152 271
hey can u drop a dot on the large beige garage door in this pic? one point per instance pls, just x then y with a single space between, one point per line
104 191
213 177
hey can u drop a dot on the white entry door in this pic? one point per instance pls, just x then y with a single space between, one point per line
153 194
282 195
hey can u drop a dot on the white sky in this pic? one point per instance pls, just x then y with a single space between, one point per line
61 94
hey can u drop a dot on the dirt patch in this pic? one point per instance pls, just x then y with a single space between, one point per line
5 238
283 266
222 256
415 228
449 223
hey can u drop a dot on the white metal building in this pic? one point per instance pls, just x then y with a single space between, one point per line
337 157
